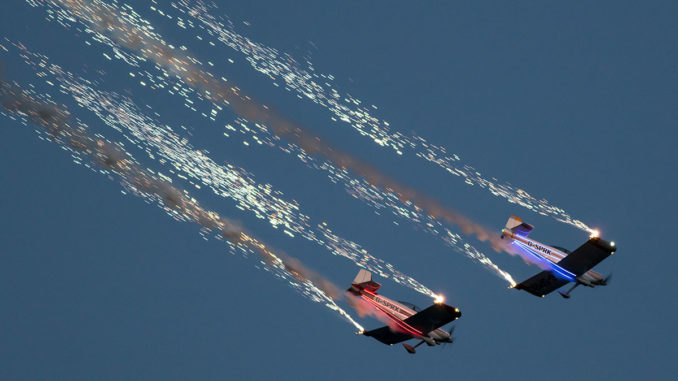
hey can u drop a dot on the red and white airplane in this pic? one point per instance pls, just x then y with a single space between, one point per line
407 322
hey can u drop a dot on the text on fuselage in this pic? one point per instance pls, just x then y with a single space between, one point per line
539 247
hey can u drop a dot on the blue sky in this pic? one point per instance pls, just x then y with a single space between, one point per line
574 103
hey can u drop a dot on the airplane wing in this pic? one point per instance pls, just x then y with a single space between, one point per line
425 321
541 284
587 255
387 336
580 261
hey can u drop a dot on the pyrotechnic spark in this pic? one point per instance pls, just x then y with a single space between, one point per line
225 180
151 46
72 134
129 31
308 84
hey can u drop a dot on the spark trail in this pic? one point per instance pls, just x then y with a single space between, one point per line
128 31
151 46
72 135
228 180
307 84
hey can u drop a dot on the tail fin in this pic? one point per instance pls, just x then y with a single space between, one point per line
364 280
517 226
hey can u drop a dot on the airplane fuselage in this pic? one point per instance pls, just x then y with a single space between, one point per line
544 251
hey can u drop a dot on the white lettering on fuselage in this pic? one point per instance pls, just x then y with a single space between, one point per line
389 305
539 247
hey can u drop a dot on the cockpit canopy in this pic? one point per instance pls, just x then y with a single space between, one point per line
410 305
564 250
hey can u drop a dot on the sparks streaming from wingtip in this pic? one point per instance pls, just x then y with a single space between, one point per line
111 159
190 164
135 33
160 142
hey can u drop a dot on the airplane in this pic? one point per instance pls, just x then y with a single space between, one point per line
564 266
408 322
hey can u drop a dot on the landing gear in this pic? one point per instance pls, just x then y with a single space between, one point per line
411 349
566 295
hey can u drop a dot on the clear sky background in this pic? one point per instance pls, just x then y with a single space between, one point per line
574 102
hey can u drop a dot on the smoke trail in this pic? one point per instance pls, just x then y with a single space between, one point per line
73 135
346 108
451 239
108 19
225 181
133 23
363 308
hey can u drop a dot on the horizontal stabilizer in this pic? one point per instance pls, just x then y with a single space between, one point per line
517 226
364 280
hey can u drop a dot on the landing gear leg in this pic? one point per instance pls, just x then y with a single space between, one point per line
567 294
412 349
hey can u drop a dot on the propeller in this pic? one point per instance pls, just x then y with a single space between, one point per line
450 331
607 279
